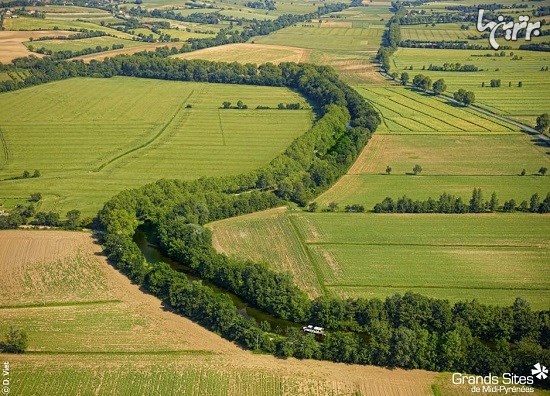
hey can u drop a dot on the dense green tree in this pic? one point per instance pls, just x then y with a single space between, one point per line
341 347
492 205
439 86
35 197
534 203
16 340
379 342
422 82
543 123
453 349
476 202
464 97
73 219
509 206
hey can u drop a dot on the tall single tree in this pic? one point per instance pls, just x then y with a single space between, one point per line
404 78
534 203
439 86
543 123
493 203
476 202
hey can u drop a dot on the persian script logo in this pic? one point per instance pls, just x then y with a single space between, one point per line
511 29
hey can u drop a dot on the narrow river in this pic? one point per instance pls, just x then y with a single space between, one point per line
154 255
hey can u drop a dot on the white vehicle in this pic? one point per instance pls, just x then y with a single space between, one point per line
314 329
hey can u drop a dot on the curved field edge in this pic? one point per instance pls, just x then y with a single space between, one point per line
174 355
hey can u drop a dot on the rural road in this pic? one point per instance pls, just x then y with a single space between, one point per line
520 125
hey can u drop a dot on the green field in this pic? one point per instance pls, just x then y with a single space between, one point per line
326 38
78 45
401 114
453 32
247 13
452 155
507 101
368 190
89 146
458 149
183 35
369 15
493 258
244 236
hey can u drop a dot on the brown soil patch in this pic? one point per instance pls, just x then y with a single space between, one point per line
358 70
336 24
11 42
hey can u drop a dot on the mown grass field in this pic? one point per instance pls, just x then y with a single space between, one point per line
493 258
317 36
89 146
244 236
77 45
183 35
457 148
453 32
131 345
405 111
521 103
452 155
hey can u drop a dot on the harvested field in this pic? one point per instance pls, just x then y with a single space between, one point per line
11 43
45 267
81 348
250 53
61 320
